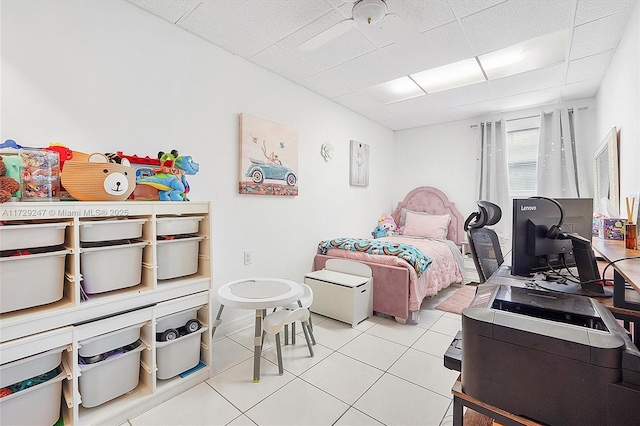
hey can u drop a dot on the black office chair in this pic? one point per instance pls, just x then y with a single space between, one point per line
484 244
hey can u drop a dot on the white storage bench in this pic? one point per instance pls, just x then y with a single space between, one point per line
342 291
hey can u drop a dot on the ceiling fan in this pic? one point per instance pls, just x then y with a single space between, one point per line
364 13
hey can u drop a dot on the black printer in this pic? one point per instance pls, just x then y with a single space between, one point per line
558 359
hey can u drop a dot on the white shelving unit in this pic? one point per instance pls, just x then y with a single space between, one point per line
72 319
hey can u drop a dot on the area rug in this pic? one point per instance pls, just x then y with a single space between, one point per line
458 300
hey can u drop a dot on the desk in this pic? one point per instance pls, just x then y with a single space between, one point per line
623 271
461 400
259 294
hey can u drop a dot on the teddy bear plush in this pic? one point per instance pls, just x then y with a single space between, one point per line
8 186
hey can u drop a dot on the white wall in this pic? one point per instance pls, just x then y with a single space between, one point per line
619 105
103 76
444 155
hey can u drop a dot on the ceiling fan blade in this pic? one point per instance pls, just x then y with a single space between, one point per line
327 35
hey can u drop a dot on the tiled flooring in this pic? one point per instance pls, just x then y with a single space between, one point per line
381 372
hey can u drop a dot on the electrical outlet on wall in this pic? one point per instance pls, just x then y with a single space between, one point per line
248 257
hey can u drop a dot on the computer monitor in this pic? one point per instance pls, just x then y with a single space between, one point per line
555 235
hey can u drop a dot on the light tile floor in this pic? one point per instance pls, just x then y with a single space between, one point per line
380 373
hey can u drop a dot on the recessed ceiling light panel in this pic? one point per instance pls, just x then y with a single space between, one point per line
450 76
529 55
396 90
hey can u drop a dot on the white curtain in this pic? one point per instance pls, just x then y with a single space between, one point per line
493 171
561 168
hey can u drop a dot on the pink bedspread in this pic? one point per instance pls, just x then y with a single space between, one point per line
442 272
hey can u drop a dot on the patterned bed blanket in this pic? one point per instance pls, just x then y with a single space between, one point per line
416 258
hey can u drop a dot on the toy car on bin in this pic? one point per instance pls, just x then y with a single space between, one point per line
191 326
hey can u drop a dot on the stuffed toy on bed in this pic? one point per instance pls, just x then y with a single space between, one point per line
379 232
388 223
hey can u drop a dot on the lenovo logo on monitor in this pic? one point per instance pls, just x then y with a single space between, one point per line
527 208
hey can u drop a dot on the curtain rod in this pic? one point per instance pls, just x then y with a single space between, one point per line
537 115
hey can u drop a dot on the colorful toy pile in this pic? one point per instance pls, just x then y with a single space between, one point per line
56 172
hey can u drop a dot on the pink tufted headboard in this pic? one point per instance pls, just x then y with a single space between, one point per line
433 201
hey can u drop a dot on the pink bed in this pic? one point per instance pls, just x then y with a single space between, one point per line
397 289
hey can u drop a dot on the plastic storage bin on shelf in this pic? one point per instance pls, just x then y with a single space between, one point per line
30 280
39 403
111 267
178 257
40 175
114 376
178 225
109 341
106 380
115 229
183 353
20 235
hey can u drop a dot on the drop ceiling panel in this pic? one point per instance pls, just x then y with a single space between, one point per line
224 32
528 81
464 95
440 32
478 109
589 10
413 106
383 34
514 21
274 19
325 85
463 8
581 90
366 70
426 15
171 10
591 67
527 100
597 36
278 60
440 46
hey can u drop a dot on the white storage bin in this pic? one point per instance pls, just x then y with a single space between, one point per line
178 257
111 267
26 368
177 356
179 319
37 405
31 280
109 341
108 379
178 225
21 236
105 230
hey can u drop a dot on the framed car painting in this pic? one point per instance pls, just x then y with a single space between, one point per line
268 157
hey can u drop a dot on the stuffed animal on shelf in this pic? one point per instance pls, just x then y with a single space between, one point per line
8 186
171 178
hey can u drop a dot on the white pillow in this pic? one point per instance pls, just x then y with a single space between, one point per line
430 226
403 215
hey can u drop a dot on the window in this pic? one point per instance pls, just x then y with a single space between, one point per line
522 156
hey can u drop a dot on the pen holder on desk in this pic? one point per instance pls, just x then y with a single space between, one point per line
631 236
